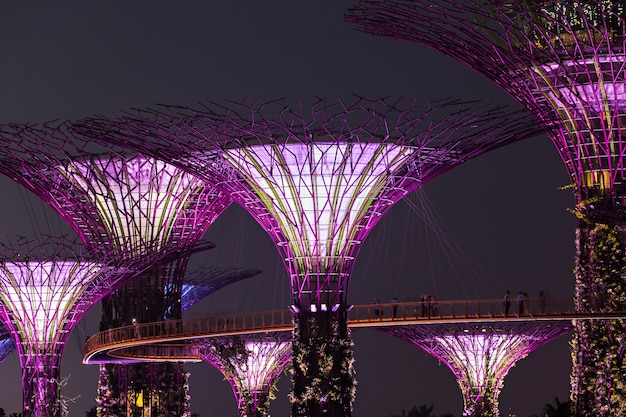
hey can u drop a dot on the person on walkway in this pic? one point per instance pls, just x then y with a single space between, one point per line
137 330
425 304
377 309
394 307
520 303
526 304
434 306
506 303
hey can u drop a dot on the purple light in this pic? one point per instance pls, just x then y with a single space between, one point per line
251 364
145 203
41 301
564 61
143 209
321 194
39 295
317 181
480 355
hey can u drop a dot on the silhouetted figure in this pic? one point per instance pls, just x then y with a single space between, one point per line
434 306
425 304
520 303
526 304
394 307
377 309
506 303
137 330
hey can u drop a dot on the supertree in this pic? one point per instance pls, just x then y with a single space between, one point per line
480 354
317 179
251 364
564 61
138 207
46 286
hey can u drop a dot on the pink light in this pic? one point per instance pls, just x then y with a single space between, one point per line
324 195
40 294
138 199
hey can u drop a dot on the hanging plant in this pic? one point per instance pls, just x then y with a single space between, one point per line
598 371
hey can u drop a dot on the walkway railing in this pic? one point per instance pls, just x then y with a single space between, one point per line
460 309
366 315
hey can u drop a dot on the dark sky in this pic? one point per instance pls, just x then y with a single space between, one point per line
504 210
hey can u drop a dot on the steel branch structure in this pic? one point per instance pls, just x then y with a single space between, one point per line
202 282
318 179
565 61
6 343
141 208
480 355
251 364
45 289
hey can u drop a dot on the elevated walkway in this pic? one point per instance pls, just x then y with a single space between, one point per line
172 340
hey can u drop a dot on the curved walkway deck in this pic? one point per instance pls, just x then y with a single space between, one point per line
161 341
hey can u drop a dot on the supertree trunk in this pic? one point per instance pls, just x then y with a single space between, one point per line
41 385
598 374
154 389
151 389
322 371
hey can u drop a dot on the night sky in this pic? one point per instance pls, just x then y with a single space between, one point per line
504 213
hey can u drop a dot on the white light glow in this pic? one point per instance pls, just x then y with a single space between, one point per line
319 191
40 295
478 357
138 199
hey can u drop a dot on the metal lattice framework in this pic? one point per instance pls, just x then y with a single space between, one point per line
565 61
562 60
251 364
202 282
141 208
318 180
480 355
45 288
113 200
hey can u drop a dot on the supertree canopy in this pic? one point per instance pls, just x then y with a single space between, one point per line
480 354
251 364
144 199
318 179
565 62
45 288
141 208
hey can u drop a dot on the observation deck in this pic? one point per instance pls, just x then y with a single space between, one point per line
173 340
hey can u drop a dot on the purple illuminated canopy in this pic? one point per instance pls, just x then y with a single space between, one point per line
562 60
480 355
112 199
320 178
45 288
251 364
